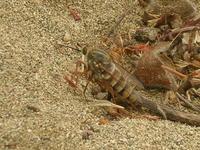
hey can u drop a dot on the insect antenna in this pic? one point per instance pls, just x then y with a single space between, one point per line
70 47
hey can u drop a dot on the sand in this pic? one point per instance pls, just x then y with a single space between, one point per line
38 109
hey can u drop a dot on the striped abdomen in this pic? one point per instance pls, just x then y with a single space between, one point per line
123 87
107 72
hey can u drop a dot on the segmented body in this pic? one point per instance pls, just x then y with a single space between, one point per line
105 71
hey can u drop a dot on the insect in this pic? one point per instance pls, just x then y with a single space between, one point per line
105 72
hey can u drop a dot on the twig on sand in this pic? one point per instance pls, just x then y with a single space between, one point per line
113 28
179 30
174 72
188 104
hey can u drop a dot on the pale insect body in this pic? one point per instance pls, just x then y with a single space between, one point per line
106 71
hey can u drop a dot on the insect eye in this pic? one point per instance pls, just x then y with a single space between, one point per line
84 50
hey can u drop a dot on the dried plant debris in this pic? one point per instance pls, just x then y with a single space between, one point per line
146 34
108 75
184 8
149 68
156 68
165 65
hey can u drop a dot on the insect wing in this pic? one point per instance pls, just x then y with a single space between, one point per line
130 77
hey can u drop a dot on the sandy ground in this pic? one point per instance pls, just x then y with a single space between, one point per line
38 110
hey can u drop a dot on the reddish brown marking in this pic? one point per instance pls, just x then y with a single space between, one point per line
196 74
35 71
143 48
103 121
75 14
69 81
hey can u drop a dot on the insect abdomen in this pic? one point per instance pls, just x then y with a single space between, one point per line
120 85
